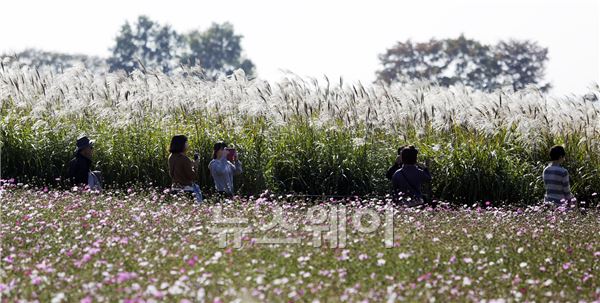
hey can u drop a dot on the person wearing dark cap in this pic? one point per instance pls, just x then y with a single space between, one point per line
80 172
182 170
223 167
410 177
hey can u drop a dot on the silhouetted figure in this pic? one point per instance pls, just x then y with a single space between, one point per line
408 179
396 166
80 167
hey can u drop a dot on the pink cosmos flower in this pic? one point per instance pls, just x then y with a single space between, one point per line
516 280
586 276
36 281
44 267
125 276
192 261
424 277
86 258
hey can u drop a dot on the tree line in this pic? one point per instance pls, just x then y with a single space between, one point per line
147 44
452 61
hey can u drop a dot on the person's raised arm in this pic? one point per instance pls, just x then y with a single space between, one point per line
390 172
238 167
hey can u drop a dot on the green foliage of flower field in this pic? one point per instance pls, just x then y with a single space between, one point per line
134 246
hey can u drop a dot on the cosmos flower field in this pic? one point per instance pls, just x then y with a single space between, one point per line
145 246
283 239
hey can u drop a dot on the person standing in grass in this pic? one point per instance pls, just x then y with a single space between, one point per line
396 166
408 179
556 178
80 172
182 170
223 167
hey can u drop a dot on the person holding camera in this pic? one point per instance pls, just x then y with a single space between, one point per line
410 177
397 164
224 165
182 170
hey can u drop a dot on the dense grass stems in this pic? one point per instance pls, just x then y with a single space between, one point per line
299 135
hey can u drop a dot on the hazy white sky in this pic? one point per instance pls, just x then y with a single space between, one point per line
318 37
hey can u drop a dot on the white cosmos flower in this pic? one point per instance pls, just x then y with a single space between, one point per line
523 264
57 298
466 281
403 256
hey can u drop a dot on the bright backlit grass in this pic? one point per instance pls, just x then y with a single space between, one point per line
298 135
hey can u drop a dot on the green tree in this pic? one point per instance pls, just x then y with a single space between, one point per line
461 60
124 52
522 63
148 43
217 50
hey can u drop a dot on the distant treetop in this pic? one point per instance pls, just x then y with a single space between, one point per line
147 44
465 61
